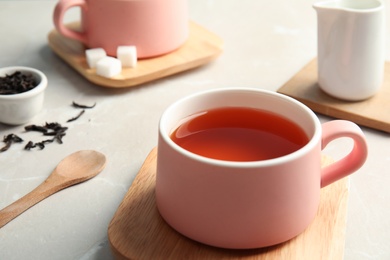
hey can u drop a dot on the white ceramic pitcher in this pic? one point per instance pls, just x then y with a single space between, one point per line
351 47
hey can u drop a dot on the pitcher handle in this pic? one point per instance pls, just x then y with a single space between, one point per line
353 160
58 16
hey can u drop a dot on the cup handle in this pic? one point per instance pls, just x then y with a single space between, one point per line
353 160
59 12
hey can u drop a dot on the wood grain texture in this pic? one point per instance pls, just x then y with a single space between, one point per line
201 47
137 230
373 112
73 169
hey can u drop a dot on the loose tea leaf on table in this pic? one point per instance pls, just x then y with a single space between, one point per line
49 129
36 128
82 106
56 130
76 117
9 140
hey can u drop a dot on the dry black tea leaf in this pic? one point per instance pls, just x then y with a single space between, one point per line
9 140
49 129
31 145
76 117
54 129
16 83
37 128
82 106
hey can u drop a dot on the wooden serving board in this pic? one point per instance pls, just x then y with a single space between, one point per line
201 47
373 112
137 231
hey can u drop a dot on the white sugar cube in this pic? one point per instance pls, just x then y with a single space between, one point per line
108 67
94 55
127 55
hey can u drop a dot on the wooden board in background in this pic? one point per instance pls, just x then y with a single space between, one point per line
201 47
373 112
137 231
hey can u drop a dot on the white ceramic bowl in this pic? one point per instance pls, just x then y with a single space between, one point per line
17 109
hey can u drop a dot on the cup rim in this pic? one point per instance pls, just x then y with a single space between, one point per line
313 140
372 6
41 77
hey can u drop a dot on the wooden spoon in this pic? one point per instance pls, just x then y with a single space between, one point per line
75 168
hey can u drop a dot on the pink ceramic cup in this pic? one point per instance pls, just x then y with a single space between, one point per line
155 27
248 204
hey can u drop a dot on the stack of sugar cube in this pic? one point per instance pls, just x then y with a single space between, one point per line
109 66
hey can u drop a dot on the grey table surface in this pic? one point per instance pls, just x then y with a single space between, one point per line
265 44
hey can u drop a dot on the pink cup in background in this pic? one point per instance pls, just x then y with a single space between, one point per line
255 204
155 27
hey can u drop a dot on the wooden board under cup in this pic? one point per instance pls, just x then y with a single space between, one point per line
201 47
137 231
373 112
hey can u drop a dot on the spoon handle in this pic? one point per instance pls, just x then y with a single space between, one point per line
44 190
